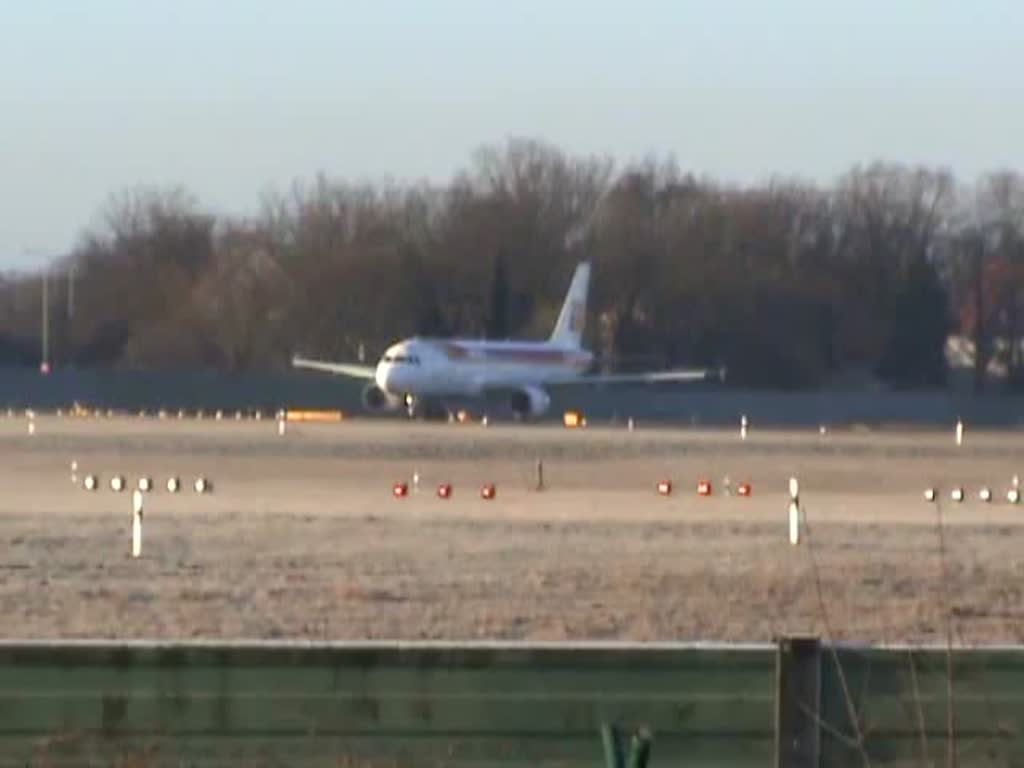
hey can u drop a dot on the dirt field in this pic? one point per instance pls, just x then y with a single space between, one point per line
302 538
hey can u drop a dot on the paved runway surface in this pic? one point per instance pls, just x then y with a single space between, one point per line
302 537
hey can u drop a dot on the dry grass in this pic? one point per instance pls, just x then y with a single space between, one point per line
303 540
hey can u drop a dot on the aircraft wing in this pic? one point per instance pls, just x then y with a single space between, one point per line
344 369
649 377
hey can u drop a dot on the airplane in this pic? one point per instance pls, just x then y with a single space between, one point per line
426 374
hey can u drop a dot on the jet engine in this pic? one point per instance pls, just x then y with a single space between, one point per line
376 399
530 401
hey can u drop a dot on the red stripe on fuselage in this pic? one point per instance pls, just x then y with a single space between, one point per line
515 355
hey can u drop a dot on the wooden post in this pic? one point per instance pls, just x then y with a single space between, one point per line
798 703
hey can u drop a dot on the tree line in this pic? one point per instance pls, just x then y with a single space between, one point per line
785 283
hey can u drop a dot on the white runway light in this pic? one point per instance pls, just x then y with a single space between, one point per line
743 427
117 483
136 523
173 485
985 494
930 495
202 485
145 484
1013 495
90 482
959 432
957 494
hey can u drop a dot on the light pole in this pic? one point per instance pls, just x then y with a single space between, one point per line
44 309
45 364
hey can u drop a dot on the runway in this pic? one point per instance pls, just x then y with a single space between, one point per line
302 537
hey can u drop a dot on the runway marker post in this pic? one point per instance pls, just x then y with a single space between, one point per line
794 511
959 432
743 427
136 523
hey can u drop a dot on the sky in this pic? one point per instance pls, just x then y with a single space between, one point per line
233 98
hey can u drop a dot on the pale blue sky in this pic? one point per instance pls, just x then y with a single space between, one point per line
231 97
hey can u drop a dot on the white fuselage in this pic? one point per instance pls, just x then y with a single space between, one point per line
462 367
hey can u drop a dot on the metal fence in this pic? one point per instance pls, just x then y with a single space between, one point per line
797 703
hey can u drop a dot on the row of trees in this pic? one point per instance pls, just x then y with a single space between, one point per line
786 283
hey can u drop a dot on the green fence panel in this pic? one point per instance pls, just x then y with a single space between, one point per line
379 704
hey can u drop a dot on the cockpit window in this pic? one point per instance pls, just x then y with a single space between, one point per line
408 359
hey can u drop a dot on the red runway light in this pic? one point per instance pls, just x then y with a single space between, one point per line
744 489
704 488
400 490
444 490
488 491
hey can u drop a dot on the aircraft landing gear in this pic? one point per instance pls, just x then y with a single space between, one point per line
418 408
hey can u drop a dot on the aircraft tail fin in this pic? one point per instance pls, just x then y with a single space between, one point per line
568 330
